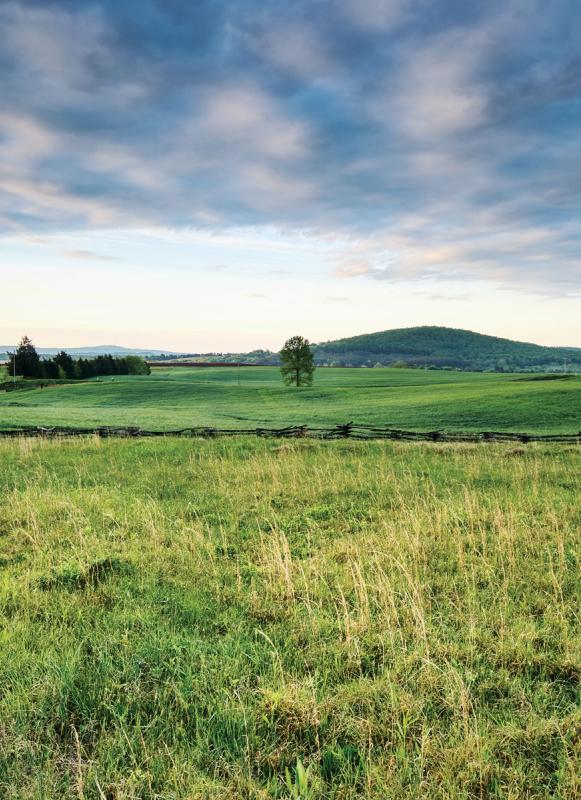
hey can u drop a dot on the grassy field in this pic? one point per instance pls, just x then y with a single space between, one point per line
414 399
261 619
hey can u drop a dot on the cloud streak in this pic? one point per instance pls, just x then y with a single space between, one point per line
86 255
436 139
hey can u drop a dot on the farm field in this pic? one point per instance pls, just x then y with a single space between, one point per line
251 618
413 399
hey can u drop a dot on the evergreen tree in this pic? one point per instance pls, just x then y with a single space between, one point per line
25 361
297 362
111 367
66 363
51 368
85 368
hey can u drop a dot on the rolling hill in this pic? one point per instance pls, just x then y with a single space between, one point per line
445 347
416 399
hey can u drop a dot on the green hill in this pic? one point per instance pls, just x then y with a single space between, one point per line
446 347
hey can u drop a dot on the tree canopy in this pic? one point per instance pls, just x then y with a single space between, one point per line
297 362
25 361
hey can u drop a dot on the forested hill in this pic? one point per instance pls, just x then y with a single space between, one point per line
445 347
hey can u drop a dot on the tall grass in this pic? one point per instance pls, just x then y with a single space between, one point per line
258 619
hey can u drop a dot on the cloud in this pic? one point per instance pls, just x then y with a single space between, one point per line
86 255
377 14
509 255
299 50
414 138
59 46
47 204
24 141
278 273
247 116
439 296
437 93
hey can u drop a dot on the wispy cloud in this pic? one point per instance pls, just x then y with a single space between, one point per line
86 255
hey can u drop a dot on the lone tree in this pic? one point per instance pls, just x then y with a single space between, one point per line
297 362
25 361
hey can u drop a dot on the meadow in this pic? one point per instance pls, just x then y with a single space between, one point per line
247 618
405 398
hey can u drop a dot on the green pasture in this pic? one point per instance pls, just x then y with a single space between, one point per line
246 618
255 396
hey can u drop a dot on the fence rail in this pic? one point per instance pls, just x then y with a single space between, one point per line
349 430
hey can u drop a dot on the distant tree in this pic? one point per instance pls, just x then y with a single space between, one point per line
133 365
66 364
297 362
84 368
51 369
25 361
99 365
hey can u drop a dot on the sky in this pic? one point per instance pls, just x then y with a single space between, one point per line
222 174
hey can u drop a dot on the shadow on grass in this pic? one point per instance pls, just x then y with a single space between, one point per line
93 575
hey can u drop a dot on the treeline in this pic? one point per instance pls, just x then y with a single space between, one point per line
26 363
262 358
448 362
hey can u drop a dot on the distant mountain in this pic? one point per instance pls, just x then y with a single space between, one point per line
445 347
91 352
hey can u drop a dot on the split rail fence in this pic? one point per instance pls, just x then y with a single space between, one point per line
348 431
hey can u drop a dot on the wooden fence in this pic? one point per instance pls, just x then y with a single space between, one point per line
348 431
